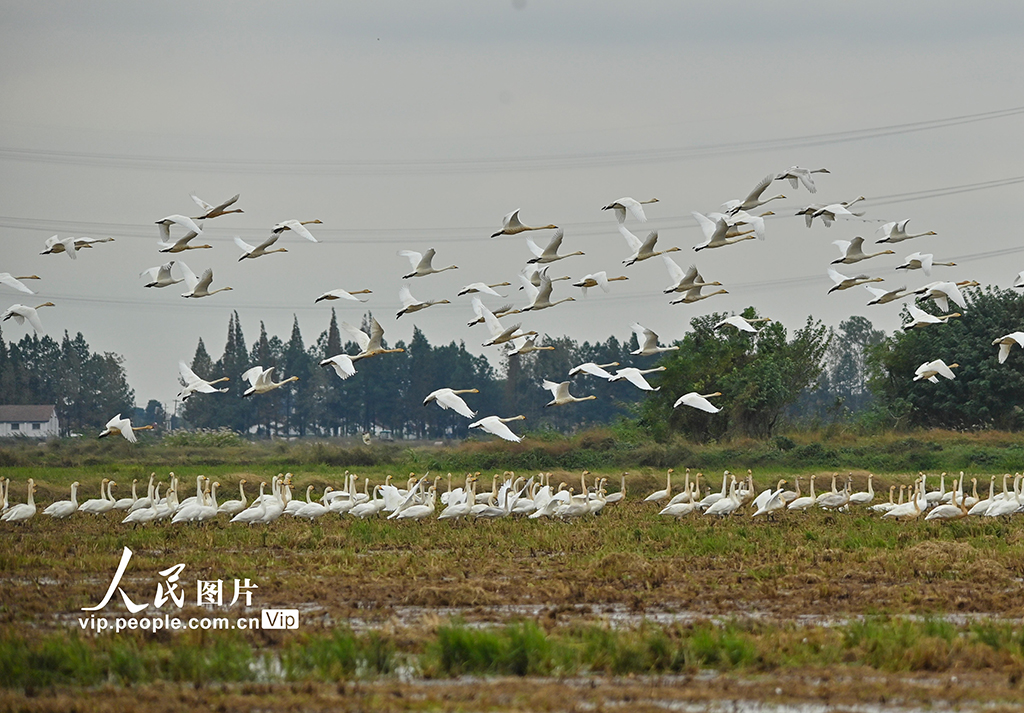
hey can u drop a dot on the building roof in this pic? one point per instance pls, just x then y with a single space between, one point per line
29 413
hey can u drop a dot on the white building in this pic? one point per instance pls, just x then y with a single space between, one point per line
29 421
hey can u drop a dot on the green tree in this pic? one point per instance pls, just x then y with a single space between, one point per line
984 394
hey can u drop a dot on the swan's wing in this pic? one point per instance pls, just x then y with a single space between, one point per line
244 245
229 202
886 228
759 188
536 249
953 292
300 229
706 224
836 276
190 277
919 315
843 245
376 333
674 271
14 282
342 365
491 424
428 257
635 378
555 388
632 241
876 291
413 256
602 280
185 222
493 325
149 273
530 288
207 208
187 374
511 220
554 243
361 337
252 375
206 280
942 369
1019 280
33 318
649 241
69 247
447 399
405 296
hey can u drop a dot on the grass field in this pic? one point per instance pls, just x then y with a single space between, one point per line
624 609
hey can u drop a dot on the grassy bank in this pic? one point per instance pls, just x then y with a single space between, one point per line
522 648
622 447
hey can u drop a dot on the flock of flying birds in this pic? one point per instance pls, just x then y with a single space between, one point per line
733 224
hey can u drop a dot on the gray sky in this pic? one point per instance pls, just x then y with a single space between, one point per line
406 125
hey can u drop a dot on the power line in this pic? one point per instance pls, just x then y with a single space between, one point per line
480 165
462 234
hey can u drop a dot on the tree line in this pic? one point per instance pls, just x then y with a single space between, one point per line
811 376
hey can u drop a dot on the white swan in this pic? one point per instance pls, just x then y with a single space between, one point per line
698 401
340 294
636 378
261 381
55 245
499 333
182 244
683 281
126 503
184 221
233 507
920 318
865 497
540 298
806 501
797 175
19 313
124 427
448 398
496 425
829 213
593 369
852 251
549 253
254 513
342 364
104 503
527 345
642 250
160 276
773 503
597 279
634 207
511 225
896 231
474 287
420 262
648 341
22 511
64 508
210 211
842 282
251 252
195 384
922 261
736 221
659 495
717 233
199 287
410 304
694 295
298 227
753 199
932 370
882 297
560 394
942 292
742 323
369 344
10 280
1007 342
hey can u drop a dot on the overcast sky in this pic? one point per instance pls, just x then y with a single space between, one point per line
410 125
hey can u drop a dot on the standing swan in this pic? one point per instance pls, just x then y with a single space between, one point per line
64 508
22 511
